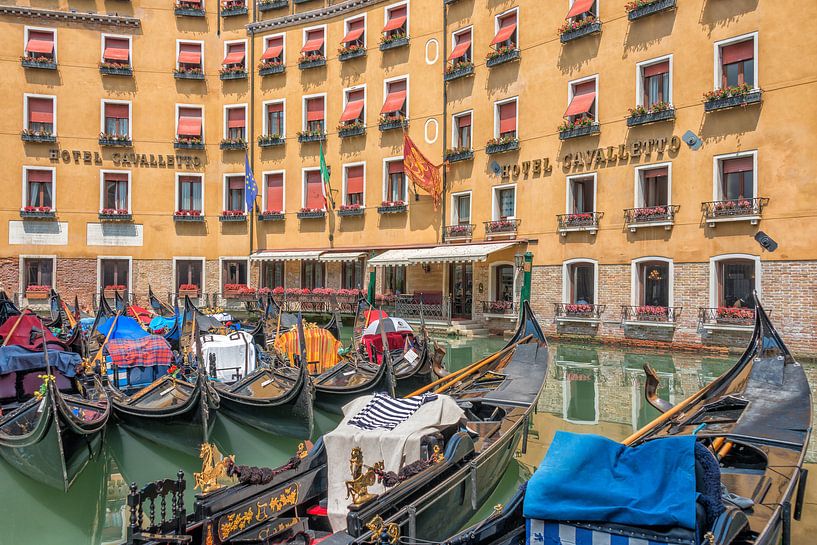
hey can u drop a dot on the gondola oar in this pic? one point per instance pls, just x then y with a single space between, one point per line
98 355
13 328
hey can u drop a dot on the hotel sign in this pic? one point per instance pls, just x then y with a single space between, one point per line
593 158
119 159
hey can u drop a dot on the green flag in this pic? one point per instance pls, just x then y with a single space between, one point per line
327 188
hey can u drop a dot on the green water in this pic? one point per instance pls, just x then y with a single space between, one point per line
590 389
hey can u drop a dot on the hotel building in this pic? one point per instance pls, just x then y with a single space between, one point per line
646 163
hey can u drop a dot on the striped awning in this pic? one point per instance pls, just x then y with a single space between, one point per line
286 255
452 253
341 256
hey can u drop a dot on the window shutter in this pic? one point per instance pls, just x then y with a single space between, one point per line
396 167
507 117
314 191
235 118
314 109
275 192
354 179
742 51
657 68
42 176
41 110
741 164
117 111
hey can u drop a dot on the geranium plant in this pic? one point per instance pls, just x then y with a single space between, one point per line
735 313
575 123
354 206
578 218
307 210
187 140
311 57
194 213
36 209
115 137
502 140
457 66
114 65
656 107
393 203
39 59
576 24
272 212
578 308
189 70
234 141
232 213
242 289
270 63
351 125
350 48
636 4
641 213
314 133
499 51
394 36
231 69
41 132
115 287
740 204
114 211
726 92
651 311
38 288
188 287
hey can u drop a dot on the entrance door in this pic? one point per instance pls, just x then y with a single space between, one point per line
461 279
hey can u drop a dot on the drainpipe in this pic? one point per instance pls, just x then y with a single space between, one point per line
445 120
526 281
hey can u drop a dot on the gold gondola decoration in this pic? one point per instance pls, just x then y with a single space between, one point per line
358 487
211 470
383 533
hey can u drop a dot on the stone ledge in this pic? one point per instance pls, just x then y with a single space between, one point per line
115 20
312 15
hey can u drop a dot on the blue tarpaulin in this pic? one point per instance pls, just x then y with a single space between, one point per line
17 358
591 478
162 325
126 328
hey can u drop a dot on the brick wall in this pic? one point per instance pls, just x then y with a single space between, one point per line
10 275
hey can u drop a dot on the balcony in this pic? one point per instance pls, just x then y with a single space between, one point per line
732 97
305 137
194 216
37 213
650 316
351 210
579 313
351 52
270 140
115 69
504 228
579 29
307 62
347 130
42 63
115 141
501 145
459 233
271 68
645 8
189 9
190 73
727 318
458 70
229 216
749 210
233 144
237 72
568 131
111 214
390 122
267 5
581 221
655 216
37 137
311 213
393 41
641 116
459 154
502 55
500 309
392 207
271 215
231 8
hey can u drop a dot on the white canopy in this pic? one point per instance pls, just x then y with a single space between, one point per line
286 255
341 256
450 253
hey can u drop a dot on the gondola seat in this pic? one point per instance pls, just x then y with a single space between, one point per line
31 382
373 344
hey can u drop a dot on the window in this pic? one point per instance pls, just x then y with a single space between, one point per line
736 63
38 272
116 191
462 130
351 274
581 283
189 272
737 178
653 187
234 193
116 50
190 57
233 271
190 195
274 192
354 179
272 274
395 186
39 188
354 110
581 9
312 274
505 121
189 123
581 199
116 119
735 280
396 20
506 32
313 190
114 272
355 33
234 56
41 44
314 43
655 83
40 114
314 114
396 92
504 202
582 105
461 51
462 209
274 119
394 279
235 122
653 283
273 50
503 283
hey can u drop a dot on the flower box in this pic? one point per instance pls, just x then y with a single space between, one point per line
348 210
494 58
271 215
38 293
186 9
393 42
459 70
236 291
188 290
188 144
43 63
356 129
189 74
578 309
455 155
388 123
272 4
725 102
501 146
579 32
38 212
115 141
232 74
188 215
651 117
579 221
268 69
392 207
109 214
310 62
651 313
735 316
229 145
459 232
232 216
110 69
501 227
270 140
307 213
577 132
305 137
238 8
37 137
351 53
300 1
641 8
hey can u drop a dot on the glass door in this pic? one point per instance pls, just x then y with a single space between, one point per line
461 276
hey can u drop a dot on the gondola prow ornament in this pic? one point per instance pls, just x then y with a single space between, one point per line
211 470
358 488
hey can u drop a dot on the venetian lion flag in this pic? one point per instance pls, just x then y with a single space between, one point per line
421 171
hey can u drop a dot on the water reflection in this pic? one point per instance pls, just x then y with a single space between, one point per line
591 389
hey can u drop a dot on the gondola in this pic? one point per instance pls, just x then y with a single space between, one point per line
758 424
7 308
493 399
50 432
158 307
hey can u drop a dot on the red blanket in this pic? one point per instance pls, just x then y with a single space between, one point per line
145 352
374 344
29 333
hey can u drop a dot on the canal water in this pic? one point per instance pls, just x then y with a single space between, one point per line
590 389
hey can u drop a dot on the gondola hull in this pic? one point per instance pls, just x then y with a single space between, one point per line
332 398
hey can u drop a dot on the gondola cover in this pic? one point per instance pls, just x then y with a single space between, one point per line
29 333
125 328
14 359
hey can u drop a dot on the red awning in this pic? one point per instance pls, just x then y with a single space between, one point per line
189 122
740 164
505 32
656 172
579 7
42 176
41 110
463 43
353 110
116 49
395 23
273 51
40 42
580 104
657 68
394 102
314 189
275 191
314 41
314 109
507 117
275 107
396 167
235 118
354 179
116 177
742 51
118 111
353 35
235 182
235 54
189 54
464 121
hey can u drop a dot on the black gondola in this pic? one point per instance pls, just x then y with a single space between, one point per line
158 307
758 416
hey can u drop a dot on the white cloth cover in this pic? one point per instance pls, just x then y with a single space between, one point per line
223 317
232 351
398 447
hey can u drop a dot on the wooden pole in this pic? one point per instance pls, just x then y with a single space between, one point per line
98 355
451 384
13 329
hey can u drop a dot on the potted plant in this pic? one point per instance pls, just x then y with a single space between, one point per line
232 291
114 140
460 153
578 309
38 61
735 315
37 291
651 213
114 214
271 215
232 215
115 68
503 53
191 290
233 144
234 71
266 5
458 69
351 128
659 111
394 39
271 66
355 209
189 72
233 7
350 51
311 135
727 97
308 213
29 135
392 207
311 60
503 143
651 313
579 126
188 142
193 9
392 121
577 28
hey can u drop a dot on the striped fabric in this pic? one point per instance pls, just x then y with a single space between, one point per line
321 347
384 412
540 532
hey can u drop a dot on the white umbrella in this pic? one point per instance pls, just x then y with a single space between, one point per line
389 325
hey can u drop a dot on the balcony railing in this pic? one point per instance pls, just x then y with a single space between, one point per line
580 32
501 228
724 103
649 9
231 8
500 308
503 57
432 307
655 216
189 9
463 232
459 70
266 5
581 221
728 318
578 312
650 315
734 210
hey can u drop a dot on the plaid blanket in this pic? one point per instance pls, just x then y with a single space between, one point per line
145 352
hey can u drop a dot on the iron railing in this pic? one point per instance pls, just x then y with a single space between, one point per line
650 313
579 221
647 215
503 308
734 208
579 310
498 228
459 232
727 316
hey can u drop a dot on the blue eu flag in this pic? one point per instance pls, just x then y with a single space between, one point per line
250 187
